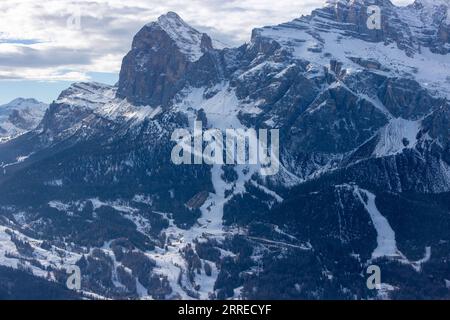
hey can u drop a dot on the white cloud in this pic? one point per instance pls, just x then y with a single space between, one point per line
40 40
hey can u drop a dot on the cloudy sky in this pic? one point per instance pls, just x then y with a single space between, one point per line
45 45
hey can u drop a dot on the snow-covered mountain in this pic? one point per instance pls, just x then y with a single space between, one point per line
364 174
19 116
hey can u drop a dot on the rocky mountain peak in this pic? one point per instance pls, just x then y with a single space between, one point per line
189 41
162 51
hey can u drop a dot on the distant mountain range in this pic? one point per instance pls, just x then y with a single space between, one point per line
364 120
19 116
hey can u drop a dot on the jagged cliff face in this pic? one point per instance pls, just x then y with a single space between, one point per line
364 177
422 24
154 70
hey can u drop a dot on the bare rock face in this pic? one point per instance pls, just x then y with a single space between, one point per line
405 98
352 16
431 20
155 68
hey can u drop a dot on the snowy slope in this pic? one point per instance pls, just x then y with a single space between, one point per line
387 245
396 136
319 38
188 40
